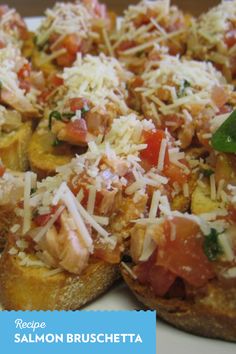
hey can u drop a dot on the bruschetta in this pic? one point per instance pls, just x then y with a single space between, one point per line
186 97
71 28
148 30
83 216
82 102
184 264
212 38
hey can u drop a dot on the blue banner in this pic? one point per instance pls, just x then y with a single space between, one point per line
78 332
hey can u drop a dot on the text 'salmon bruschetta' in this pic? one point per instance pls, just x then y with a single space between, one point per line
134 156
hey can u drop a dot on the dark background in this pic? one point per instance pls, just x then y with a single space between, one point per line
36 7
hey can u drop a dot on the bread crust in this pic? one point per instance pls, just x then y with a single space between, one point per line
30 288
42 157
14 148
197 318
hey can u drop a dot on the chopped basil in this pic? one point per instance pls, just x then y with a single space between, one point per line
67 115
207 172
85 109
57 142
33 190
212 247
182 90
224 139
53 115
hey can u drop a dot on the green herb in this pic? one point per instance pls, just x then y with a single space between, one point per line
68 115
212 247
57 142
182 90
224 139
53 115
35 213
207 172
33 190
85 109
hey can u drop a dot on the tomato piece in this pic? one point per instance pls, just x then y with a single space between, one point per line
128 44
160 279
41 220
76 132
56 81
24 77
183 254
76 187
175 174
149 156
141 20
72 43
230 38
66 59
2 170
77 103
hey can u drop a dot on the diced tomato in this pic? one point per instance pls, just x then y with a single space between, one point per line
41 220
56 80
128 44
104 252
175 174
160 279
66 59
150 155
72 43
24 77
76 132
77 103
2 170
183 254
219 96
75 188
137 82
230 38
141 20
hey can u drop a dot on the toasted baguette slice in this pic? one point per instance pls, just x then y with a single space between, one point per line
14 148
7 217
43 157
36 288
213 315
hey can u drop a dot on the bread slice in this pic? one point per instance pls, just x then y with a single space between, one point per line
212 315
7 217
43 157
14 148
37 288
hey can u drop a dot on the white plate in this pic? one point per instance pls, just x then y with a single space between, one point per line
169 339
